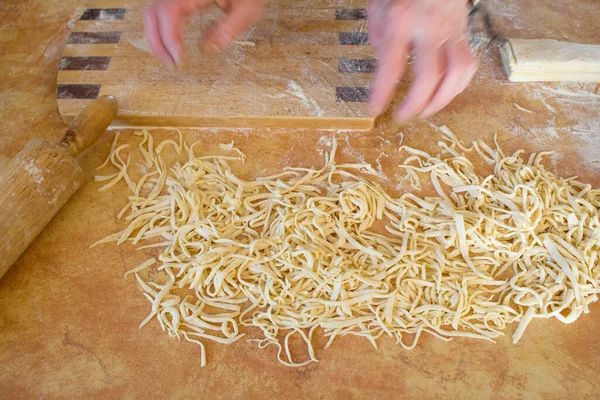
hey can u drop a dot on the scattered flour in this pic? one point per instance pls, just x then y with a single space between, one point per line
503 8
34 171
297 91
73 19
589 127
580 103
538 95
325 141
107 16
567 94
590 151
356 155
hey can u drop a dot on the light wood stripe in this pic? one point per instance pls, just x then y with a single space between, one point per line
261 31
208 80
262 50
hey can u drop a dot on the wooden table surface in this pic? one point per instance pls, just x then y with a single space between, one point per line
68 319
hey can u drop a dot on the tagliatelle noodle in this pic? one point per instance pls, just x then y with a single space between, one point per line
297 251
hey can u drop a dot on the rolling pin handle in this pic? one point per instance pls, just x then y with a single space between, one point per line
89 125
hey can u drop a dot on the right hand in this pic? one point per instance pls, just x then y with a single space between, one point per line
163 21
437 33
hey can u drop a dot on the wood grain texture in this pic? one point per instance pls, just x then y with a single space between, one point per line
285 76
69 321
43 176
89 125
33 187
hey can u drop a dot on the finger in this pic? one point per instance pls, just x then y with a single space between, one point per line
393 52
169 15
153 36
428 67
240 17
376 23
461 65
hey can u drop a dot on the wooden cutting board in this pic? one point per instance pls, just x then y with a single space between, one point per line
303 65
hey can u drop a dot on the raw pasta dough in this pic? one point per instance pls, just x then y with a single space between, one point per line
550 60
297 251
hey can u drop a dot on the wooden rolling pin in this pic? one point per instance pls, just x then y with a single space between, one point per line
43 176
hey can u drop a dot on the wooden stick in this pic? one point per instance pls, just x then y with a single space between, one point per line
43 176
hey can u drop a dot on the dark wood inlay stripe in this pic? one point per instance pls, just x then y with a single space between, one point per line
352 94
356 65
94 38
103 14
350 14
77 92
84 63
354 38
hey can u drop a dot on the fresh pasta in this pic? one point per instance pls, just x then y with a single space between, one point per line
297 251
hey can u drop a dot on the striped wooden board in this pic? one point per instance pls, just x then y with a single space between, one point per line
305 64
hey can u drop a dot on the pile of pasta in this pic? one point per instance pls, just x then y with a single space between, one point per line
298 251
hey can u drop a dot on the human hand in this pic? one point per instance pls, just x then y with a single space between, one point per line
163 21
436 31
